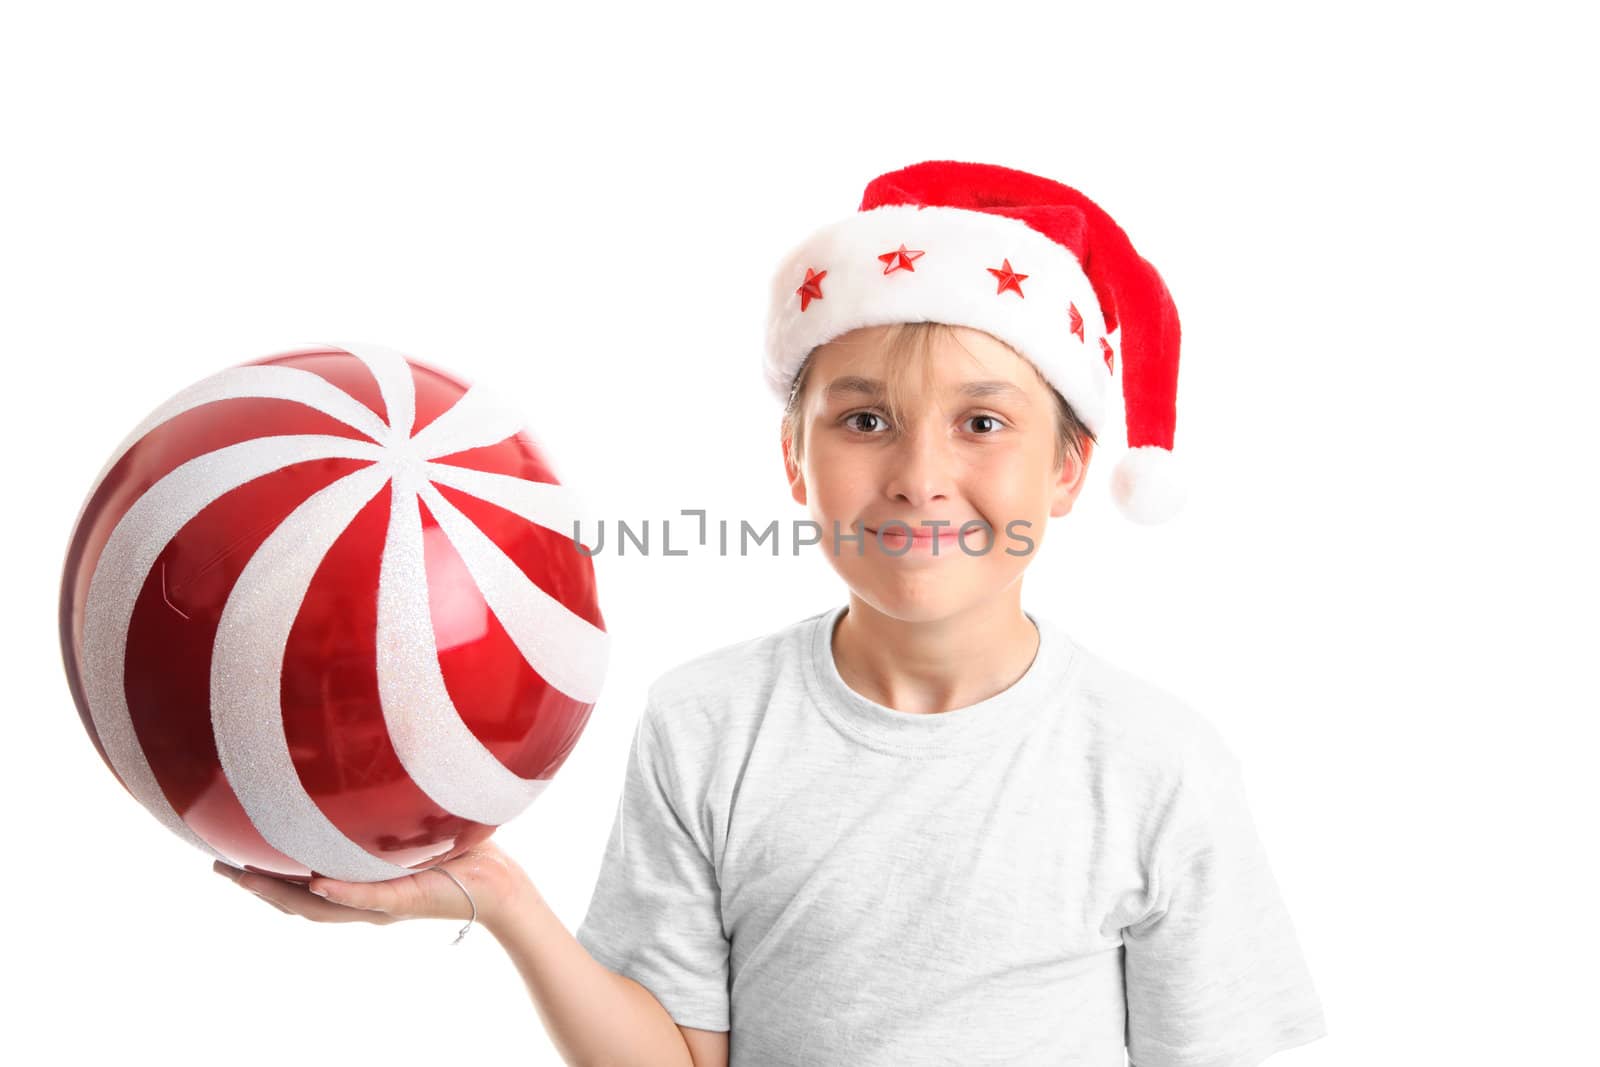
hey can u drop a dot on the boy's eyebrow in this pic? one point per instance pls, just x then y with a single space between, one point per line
995 388
854 384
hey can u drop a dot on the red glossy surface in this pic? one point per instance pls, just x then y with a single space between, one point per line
331 714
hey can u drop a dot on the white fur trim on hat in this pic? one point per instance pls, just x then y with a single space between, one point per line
950 282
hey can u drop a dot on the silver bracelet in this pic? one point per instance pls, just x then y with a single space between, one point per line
470 901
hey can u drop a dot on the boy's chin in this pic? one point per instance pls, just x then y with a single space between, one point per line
921 598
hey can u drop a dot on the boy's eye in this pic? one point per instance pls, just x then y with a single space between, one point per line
854 420
984 425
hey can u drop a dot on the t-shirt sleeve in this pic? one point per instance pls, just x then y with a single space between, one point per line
656 913
1214 975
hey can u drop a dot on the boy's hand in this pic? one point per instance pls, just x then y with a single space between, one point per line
488 874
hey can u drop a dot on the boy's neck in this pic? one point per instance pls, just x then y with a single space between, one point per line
925 668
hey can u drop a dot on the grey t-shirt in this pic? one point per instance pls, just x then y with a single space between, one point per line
1043 877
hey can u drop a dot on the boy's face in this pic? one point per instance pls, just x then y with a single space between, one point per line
967 452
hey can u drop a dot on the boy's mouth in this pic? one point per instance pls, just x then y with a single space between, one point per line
917 530
919 537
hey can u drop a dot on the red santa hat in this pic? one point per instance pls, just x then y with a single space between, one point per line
1031 261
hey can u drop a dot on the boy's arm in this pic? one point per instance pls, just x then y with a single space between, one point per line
594 1016
708 1047
1213 970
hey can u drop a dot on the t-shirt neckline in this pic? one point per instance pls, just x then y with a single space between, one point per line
944 733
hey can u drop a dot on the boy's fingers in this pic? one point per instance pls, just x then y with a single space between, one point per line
298 901
369 896
349 894
268 889
332 900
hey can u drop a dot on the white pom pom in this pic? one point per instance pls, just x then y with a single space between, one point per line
1147 485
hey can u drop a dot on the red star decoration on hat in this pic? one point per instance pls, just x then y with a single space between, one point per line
898 260
1077 319
1009 279
811 288
1105 346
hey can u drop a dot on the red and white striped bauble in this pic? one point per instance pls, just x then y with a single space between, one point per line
323 613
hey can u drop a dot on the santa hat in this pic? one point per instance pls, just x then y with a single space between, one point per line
1031 261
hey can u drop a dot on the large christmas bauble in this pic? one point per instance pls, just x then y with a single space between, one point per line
323 613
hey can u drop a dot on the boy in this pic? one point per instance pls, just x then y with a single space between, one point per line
927 826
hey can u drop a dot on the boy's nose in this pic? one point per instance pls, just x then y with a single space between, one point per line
919 468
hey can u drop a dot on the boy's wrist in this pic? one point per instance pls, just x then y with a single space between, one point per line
499 914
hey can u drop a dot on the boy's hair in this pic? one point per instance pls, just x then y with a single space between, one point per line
908 343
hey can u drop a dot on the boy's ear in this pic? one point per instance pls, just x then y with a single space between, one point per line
791 470
1070 482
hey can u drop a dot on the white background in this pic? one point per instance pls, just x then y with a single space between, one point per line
1377 220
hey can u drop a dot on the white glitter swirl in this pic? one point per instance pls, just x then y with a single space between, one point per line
555 507
123 567
395 385
440 753
254 382
247 679
476 420
568 651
